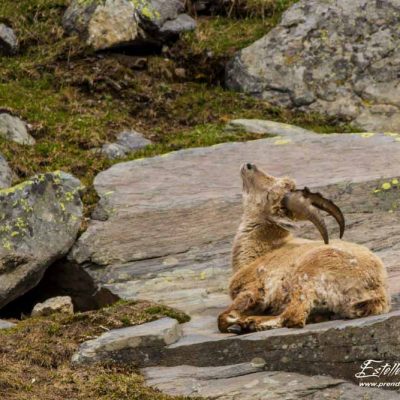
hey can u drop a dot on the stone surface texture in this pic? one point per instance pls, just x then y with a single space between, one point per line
40 220
331 56
167 225
143 340
8 40
114 23
6 175
14 129
246 381
59 304
6 324
126 142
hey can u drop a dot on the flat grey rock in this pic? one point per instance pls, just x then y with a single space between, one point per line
6 175
265 127
40 220
182 23
335 348
14 129
334 57
8 40
191 188
127 142
6 324
146 339
246 382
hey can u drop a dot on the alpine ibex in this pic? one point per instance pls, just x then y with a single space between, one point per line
280 280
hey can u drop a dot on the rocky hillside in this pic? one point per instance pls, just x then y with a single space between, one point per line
74 100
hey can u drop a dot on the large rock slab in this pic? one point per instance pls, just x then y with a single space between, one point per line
198 192
40 219
114 23
249 381
165 226
331 56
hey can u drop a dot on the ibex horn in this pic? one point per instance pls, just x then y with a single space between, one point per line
327 205
304 205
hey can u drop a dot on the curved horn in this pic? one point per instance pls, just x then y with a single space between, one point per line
301 208
329 206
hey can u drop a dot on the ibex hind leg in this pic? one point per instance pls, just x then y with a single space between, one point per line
365 308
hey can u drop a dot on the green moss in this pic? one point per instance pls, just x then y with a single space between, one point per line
168 312
223 35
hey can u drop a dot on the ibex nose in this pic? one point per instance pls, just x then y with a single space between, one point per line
249 166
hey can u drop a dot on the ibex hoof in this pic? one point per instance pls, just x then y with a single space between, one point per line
236 329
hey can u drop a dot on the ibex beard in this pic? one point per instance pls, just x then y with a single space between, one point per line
283 281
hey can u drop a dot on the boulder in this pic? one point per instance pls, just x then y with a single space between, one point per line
114 23
6 175
8 40
14 129
334 57
127 142
40 220
59 304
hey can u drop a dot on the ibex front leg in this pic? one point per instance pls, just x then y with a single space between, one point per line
245 303
294 316
241 319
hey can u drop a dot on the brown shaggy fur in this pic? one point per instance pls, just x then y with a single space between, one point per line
282 281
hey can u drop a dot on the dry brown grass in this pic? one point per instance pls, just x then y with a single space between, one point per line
35 357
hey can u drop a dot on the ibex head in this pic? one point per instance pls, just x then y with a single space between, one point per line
267 197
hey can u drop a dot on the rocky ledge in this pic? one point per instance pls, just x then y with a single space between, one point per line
249 381
164 227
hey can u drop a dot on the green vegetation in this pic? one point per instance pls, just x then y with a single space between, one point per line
224 35
75 100
35 357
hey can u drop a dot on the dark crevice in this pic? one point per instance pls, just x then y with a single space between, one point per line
63 278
